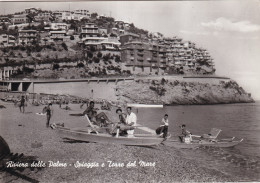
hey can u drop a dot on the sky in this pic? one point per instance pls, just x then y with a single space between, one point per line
230 29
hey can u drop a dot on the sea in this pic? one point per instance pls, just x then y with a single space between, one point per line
235 120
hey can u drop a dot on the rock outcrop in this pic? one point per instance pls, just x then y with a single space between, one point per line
174 91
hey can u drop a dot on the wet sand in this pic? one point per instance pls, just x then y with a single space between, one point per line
27 134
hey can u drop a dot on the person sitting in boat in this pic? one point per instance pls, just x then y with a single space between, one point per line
121 125
130 121
184 133
164 126
92 113
99 120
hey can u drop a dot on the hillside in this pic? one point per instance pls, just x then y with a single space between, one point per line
83 45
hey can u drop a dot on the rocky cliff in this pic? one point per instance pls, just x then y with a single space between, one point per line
181 91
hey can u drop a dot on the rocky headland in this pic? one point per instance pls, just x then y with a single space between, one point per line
172 91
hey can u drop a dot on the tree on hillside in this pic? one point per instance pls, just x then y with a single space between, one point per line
106 57
72 37
89 54
79 65
64 46
94 15
55 66
92 49
117 59
96 60
23 43
99 54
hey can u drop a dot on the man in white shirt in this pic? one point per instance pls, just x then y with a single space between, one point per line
130 120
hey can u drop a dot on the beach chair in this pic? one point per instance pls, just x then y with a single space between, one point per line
89 122
213 134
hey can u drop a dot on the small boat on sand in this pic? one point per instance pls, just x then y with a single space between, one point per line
198 143
209 139
88 135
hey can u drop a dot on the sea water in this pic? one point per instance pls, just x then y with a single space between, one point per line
235 120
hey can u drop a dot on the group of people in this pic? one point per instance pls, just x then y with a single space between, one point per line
125 125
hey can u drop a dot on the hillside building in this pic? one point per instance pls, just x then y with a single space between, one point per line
44 16
7 40
19 19
144 56
27 36
58 35
5 20
89 30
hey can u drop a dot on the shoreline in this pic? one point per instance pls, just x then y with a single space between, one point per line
23 131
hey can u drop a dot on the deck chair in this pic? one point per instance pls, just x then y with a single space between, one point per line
213 134
94 127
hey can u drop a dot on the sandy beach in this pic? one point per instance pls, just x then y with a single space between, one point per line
26 133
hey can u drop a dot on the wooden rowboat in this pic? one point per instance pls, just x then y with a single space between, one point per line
195 144
88 136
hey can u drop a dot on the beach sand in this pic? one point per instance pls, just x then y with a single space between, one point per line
23 131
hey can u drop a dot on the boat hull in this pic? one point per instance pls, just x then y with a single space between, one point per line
82 135
221 144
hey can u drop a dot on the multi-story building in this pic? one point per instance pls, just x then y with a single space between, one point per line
110 44
59 26
128 38
58 35
57 15
89 30
43 16
144 56
82 13
27 36
20 19
7 40
4 20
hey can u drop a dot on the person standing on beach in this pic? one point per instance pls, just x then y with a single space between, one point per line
22 103
130 120
49 114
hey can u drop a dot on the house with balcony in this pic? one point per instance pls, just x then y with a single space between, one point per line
58 35
59 26
19 19
43 16
7 40
110 44
5 20
82 12
89 30
144 57
27 36
128 38
57 15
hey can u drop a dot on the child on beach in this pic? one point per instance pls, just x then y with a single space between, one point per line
184 133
